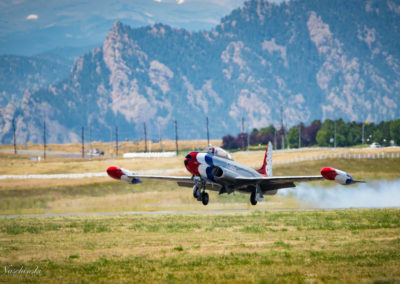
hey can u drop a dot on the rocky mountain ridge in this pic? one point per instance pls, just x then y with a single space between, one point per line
317 59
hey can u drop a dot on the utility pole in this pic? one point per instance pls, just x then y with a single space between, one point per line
116 141
111 139
208 133
248 138
44 139
159 133
15 140
83 142
299 136
362 130
176 136
275 141
335 135
90 139
283 129
243 143
145 137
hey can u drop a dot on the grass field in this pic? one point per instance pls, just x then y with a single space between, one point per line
107 195
263 246
335 246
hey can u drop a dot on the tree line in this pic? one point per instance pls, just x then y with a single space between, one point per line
319 133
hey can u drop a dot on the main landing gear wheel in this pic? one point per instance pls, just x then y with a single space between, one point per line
253 199
204 198
196 192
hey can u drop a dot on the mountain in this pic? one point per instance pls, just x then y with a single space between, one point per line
27 30
317 59
19 74
64 56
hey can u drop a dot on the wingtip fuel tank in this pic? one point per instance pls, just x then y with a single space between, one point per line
338 176
122 175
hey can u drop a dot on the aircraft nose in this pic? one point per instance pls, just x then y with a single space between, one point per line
192 164
187 159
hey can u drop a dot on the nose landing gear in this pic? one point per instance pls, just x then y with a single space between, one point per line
199 192
204 198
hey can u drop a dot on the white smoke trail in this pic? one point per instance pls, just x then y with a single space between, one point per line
375 194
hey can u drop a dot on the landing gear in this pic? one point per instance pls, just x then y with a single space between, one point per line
204 198
199 191
256 195
253 199
196 191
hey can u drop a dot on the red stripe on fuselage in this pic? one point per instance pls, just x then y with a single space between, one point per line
191 163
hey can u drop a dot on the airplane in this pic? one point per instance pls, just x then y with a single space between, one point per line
214 169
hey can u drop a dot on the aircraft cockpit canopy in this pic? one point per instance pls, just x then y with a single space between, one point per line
219 152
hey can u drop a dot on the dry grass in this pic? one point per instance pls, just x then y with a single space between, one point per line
113 196
22 184
255 157
335 246
17 164
125 146
106 195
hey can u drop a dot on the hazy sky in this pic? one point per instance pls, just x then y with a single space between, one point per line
32 26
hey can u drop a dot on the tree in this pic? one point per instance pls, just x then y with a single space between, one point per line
354 133
395 131
342 130
254 137
323 137
229 142
309 133
293 137
325 133
377 136
266 134
384 126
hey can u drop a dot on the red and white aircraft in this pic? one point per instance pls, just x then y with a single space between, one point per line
214 169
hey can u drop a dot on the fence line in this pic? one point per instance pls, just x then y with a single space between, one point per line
150 155
341 156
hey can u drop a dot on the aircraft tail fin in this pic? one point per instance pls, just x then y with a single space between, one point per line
266 168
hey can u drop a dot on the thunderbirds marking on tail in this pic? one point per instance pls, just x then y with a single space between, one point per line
214 169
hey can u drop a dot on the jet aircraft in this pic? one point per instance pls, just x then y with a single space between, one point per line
214 169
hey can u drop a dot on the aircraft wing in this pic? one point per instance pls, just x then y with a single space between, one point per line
183 181
132 178
276 182
168 178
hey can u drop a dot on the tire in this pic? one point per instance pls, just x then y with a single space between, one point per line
253 199
204 198
195 192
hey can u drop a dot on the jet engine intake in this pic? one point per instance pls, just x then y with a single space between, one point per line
222 174
217 172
